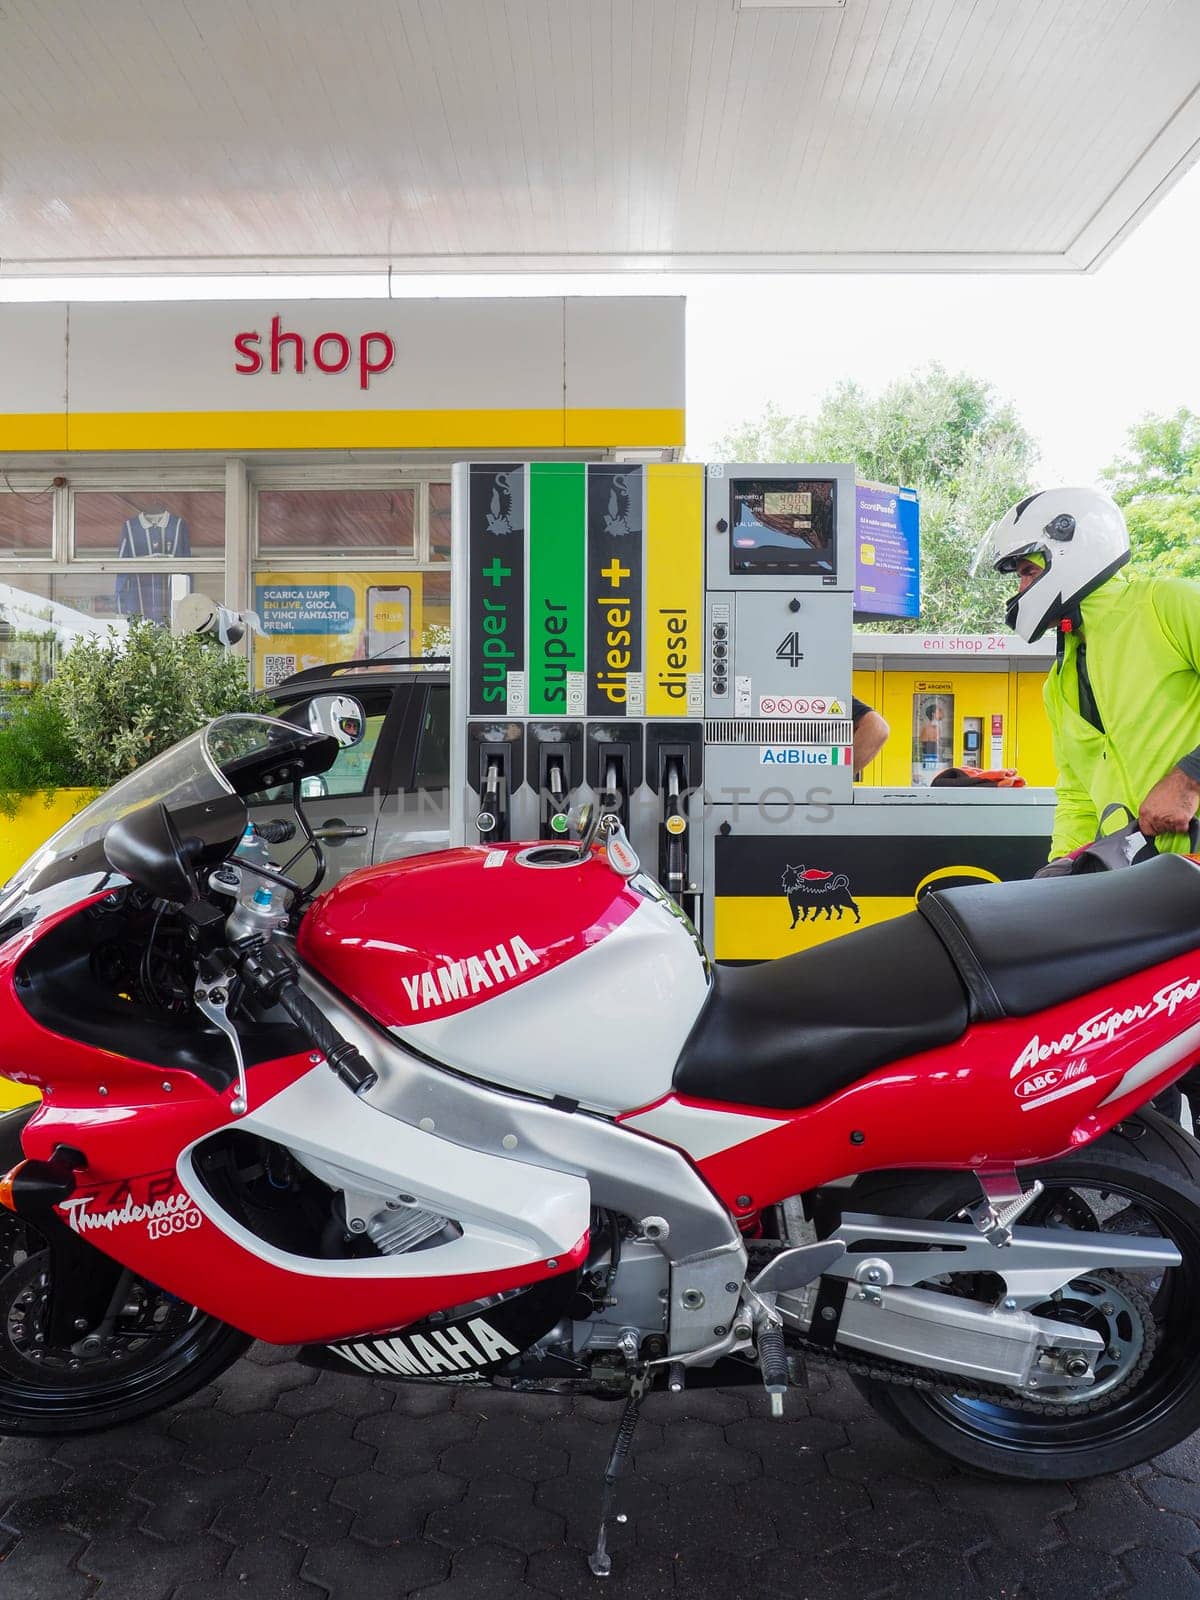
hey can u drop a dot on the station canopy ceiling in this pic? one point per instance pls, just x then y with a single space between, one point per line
549 135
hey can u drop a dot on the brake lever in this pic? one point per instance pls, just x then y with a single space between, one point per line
212 1000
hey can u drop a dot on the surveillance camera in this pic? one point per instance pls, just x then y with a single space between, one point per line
196 613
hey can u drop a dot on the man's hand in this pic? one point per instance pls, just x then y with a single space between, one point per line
1170 805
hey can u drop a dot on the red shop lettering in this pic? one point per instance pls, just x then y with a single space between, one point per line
331 352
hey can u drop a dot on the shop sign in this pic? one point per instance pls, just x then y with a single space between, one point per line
280 350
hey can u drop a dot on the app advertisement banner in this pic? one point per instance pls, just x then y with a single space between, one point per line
887 552
312 619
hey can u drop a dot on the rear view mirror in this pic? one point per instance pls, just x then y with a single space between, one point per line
145 848
337 716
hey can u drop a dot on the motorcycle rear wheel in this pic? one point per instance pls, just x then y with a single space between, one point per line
156 1353
1143 1177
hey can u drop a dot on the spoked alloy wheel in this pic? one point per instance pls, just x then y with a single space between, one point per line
1146 1397
149 1351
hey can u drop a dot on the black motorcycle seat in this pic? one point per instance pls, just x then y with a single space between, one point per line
790 1032
1020 947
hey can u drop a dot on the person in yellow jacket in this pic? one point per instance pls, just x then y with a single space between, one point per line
1123 697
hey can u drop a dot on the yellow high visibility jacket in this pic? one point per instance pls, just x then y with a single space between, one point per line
1143 663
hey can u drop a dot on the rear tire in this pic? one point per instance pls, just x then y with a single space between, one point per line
1149 1169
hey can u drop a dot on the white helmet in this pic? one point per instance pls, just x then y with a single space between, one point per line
1081 536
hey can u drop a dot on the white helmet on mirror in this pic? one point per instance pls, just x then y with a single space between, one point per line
1079 538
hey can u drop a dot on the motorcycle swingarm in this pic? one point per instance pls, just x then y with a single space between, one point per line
1037 1262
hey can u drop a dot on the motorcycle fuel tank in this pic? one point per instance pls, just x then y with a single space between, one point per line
520 964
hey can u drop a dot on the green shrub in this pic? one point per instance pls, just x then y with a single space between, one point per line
116 701
35 750
125 698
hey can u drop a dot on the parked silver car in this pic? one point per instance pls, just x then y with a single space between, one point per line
393 784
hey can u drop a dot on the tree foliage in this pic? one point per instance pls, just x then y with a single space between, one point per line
945 434
1157 482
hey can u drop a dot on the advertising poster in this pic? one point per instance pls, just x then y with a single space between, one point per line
887 546
311 619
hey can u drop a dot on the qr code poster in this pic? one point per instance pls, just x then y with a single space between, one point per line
276 669
316 619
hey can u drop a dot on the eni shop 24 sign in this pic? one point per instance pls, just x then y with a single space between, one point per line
806 755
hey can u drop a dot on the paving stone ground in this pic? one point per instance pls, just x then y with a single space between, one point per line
277 1483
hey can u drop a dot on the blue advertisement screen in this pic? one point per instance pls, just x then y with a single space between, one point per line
887 551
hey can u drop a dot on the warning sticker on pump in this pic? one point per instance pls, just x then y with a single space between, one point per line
809 705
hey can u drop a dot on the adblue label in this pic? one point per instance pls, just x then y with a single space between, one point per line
805 755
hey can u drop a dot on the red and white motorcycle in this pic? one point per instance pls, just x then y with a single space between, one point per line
491 1117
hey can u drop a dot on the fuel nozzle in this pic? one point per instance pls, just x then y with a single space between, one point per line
490 818
556 785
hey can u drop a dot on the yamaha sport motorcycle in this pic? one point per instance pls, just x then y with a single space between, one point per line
490 1116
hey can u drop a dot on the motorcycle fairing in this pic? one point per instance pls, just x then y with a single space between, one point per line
1015 1091
560 980
216 1263
514 1215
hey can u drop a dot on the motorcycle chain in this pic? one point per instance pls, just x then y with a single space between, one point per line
881 1370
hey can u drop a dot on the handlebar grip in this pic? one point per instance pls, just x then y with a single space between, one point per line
349 1064
278 832
269 974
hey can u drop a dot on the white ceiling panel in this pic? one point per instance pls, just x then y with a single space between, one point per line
433 135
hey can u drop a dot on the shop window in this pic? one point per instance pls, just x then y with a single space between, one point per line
26 522
337 521
158 524
42 615
439 522
435 614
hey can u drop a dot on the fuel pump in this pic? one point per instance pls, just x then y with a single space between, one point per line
614 766
672 639
674 762
555 752
496 772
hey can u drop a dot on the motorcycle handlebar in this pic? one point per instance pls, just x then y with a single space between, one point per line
278 832
269 973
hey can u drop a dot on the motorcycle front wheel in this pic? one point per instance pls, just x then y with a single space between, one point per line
150 1351
1142 1179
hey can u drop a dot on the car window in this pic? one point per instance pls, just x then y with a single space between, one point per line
348 774
433 752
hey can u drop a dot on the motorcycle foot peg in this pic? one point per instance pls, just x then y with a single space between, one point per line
772 1359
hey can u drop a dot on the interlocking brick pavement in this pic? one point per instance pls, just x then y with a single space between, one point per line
278 1483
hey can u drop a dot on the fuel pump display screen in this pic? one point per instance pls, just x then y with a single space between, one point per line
783 525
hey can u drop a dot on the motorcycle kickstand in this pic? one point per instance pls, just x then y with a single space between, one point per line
600 1561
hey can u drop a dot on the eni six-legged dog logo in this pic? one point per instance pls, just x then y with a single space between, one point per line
811 891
